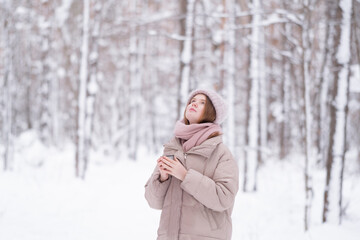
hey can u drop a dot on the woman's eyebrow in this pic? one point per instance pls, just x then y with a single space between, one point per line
201 99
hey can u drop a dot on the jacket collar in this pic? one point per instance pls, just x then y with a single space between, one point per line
205 149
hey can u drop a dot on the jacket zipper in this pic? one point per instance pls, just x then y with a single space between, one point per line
182 199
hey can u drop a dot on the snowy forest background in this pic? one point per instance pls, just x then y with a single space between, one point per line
86 81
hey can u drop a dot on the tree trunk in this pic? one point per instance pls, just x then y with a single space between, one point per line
321 104
222 68
332 211
186 54
305 70
92 86
81 154
285 136
46 75
252 156
135 84
356 27
263 102
229 61
7 100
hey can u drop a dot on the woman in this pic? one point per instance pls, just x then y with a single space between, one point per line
196 189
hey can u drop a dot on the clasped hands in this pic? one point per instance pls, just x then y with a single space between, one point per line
169 166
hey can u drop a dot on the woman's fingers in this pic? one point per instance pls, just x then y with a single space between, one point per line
165 160
170 166
162 166
168 162
167 170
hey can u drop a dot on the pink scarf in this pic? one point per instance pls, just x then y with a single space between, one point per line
194 134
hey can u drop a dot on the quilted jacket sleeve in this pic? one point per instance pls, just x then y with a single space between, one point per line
155 190
217 193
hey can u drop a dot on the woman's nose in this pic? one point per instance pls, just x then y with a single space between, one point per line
194 104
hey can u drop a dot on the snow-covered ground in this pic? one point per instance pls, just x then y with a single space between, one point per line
41 200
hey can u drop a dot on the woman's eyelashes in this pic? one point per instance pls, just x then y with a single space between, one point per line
202 102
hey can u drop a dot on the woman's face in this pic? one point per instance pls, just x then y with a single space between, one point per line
196 108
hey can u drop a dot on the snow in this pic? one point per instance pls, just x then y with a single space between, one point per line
48 202
355 78
217 37
338 150
152 32
62 13
343 54
93 86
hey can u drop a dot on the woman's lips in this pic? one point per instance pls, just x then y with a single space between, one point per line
192 109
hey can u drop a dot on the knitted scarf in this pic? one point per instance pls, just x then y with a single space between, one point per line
194 134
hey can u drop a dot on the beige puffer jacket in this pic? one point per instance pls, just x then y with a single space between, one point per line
200 207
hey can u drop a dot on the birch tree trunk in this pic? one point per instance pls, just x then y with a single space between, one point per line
262 114
150 62
252 157
186 55
305 70
332 211
356 29
134 87
285 136
46 75
322 100
263 102
154 81
91 86
231 92
6 91
222 68
244 7
81 154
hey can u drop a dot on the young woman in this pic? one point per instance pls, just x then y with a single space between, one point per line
196 180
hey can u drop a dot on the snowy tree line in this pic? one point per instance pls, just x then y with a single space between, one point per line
113 76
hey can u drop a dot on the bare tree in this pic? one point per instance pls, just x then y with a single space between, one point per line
186 51
322 106
253 156
135 84
246 20
230 83
285 91
81 147
305 71
340 59
7 101
46 72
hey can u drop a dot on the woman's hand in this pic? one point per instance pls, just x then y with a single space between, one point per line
163 175
172 167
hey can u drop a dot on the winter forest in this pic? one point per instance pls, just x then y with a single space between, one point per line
90 91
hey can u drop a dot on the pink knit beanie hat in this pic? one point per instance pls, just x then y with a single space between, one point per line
217 101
